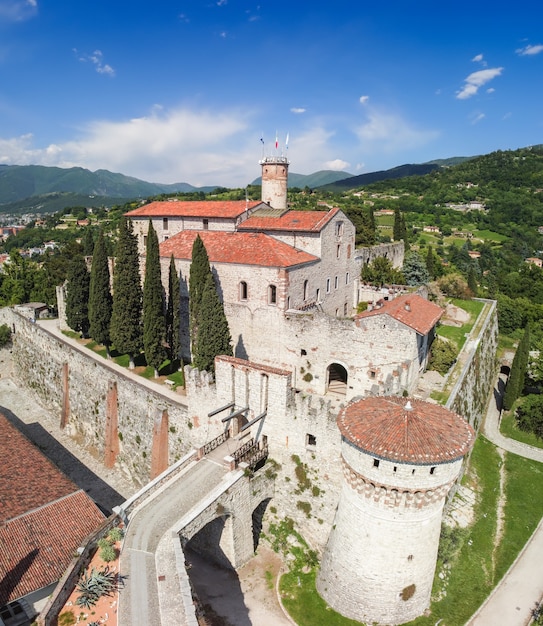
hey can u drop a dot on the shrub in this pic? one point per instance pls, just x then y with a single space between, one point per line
115 534
5 335
442 356
66 619
108 553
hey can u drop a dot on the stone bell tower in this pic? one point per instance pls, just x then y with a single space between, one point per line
275 181
400 458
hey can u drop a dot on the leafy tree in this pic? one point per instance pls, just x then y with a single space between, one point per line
173 312
100 301
20 276
442 355
472 280
380 272
154 323
199 271
530 415
414 269
126 317
397 226
213 333
5 335
77 296
454 285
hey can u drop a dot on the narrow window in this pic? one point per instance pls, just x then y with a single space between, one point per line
164 223
303 352
318 296
310 440
306 289
372 373
345 310
272 294
205 223
395 469
243 290
144 241
339 229
347 278
338 251
327 285
336 282
375 462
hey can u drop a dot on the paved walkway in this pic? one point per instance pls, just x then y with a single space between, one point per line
152 594
511 602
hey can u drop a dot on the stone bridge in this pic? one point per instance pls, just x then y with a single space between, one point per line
209 503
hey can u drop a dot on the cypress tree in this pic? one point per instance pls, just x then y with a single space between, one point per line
126 326
199 271
213 332
77 296
430 263
154 322
87 241
397 226
100 301
173 312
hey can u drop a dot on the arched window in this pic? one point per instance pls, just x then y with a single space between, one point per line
306 289
337 378
243 290
272 294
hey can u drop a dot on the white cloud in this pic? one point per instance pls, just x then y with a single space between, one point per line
477 117
529 50
387 132
490 90
297 110
476 80
478 58
364 99
338 165
199 147
97 59
17 10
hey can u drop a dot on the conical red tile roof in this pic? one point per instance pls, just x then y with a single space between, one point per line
406 430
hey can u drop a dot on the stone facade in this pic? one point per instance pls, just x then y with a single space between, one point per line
275 181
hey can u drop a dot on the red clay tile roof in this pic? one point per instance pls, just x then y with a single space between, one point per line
37 547
29 480
418 432
233 247
195 208
44 517
305 221
412 310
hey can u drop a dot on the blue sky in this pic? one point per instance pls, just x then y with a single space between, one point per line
183 91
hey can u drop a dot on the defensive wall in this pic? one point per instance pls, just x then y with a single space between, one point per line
141 431
394 252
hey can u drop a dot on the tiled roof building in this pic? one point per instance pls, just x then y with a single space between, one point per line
44 517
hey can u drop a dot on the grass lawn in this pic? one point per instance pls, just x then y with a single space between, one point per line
508 428
489 235
457 334
477 566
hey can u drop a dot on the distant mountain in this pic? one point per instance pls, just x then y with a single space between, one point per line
373 177
317 179
19 182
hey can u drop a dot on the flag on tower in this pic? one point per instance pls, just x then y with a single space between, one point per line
286 142
262 138
276 141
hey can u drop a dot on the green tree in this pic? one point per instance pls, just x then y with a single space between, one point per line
515 383
5 335
380 272
199 271
213 333
472 280
77 296
87 241
397 226
530 415
430 263
154 322
20 276
173 312
100 301
414 269
126 317
442 356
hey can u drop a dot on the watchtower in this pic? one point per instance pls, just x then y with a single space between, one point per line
400 458
275 181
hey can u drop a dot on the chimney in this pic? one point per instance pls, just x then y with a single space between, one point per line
408 306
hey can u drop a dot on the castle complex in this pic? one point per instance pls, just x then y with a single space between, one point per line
312 383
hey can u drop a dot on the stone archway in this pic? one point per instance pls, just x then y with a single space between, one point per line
336 379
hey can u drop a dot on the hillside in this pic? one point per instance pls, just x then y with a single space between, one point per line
19 182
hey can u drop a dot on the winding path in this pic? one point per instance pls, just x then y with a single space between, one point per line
512 601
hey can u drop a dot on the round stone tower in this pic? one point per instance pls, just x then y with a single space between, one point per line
400 458
275 181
